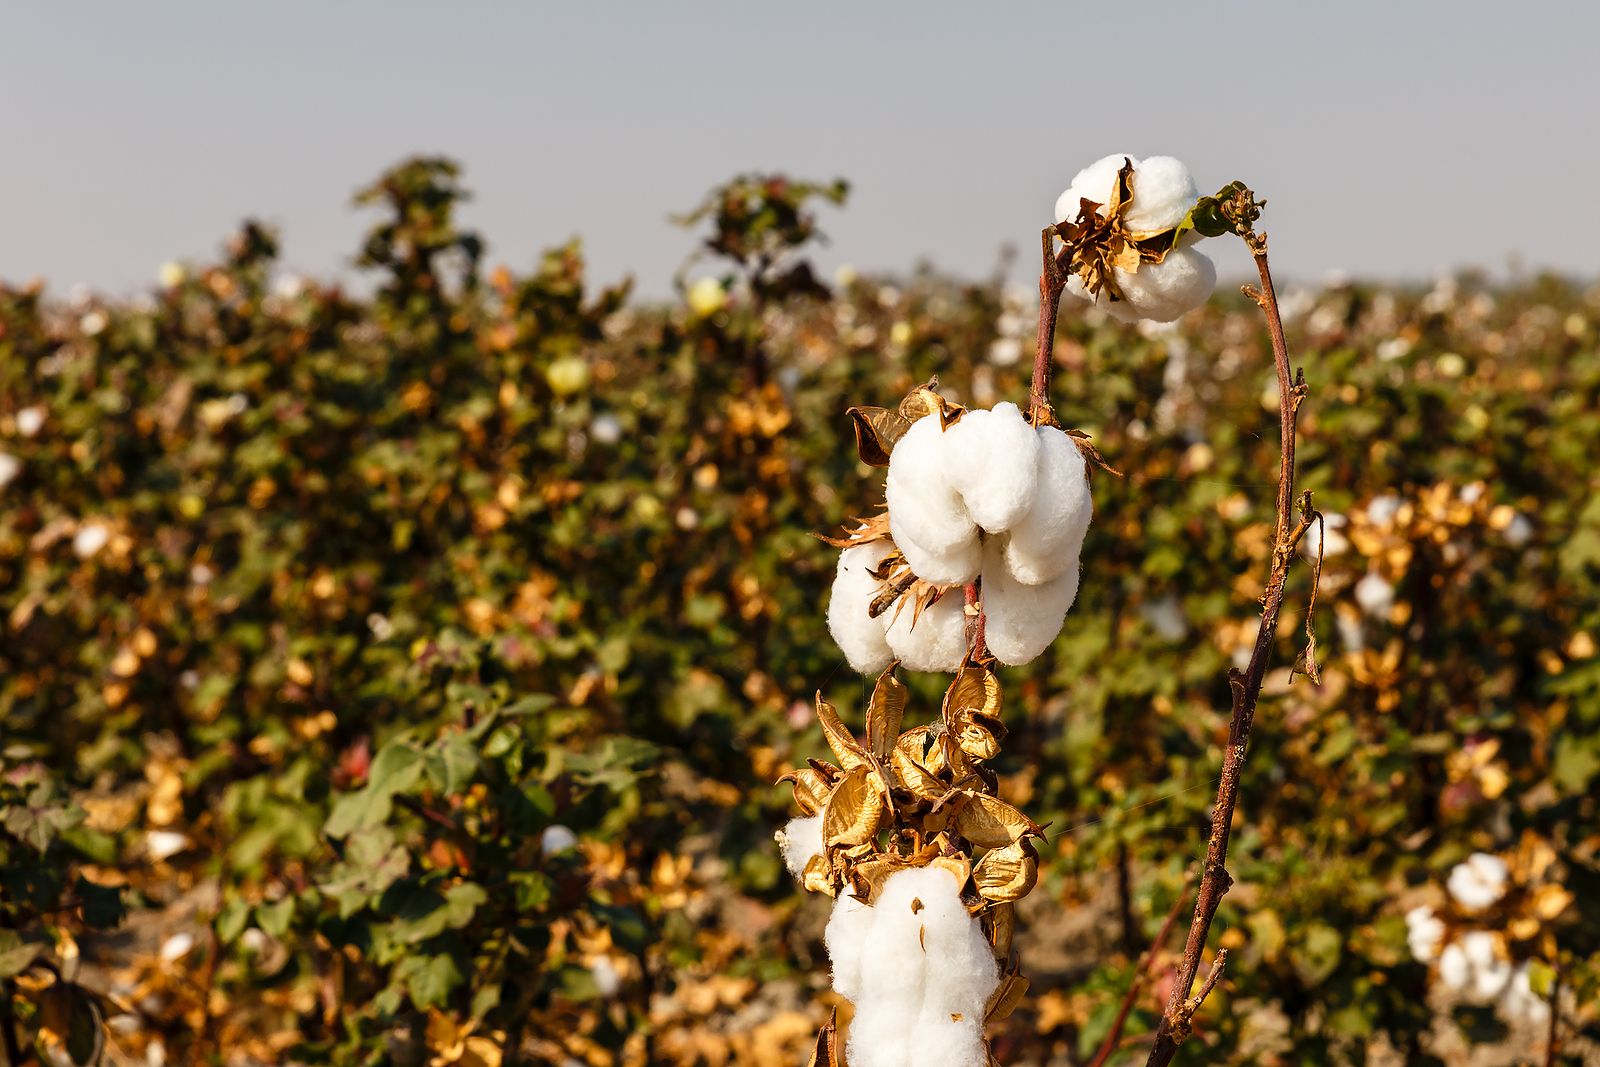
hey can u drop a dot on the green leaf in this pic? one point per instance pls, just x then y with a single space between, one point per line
16 955
429 980
274 918
231 920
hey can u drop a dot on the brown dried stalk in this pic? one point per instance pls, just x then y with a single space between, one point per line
1052 281
1176 1021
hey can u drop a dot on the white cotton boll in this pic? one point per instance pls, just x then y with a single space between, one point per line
557 838
1478 881
1049 538
90 539
800 840
963 971
924 506
955 566
10 467
940 1039
1479 945
847 933
1454 969
938 640
1490 973
1022 620
1519 1001
1163 193
1375 595
30 421
1097 183
858 635
1424 933
881 1034
1164 291
992 459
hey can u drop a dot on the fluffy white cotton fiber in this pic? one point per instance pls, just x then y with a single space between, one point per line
1478 881
1163 193
859 636
1022 619
1049 538
1161 292
923 963
846 937
992 461
799 840
938 640
927 518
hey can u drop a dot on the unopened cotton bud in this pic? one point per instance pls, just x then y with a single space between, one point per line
936 640
1049 538
1022 620
992 459
859 636
799 840
1478 881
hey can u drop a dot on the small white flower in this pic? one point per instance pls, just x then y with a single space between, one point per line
30 420
557 838
90 539
1478 881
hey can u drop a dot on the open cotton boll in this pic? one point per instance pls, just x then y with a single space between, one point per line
1160 292
1520 1001
1455 971
1424 933
1096 182
939 1038
848 929
1478 881
1163 193
1049 538
1490 973
1022 620
858 635
956 565
800 840
938 640
992 459
924 506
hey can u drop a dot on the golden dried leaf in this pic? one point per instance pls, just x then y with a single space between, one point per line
877 430
1007 873
1000 921
844 744
959 866
979 735
817 875
1550 901
885 712
975 689
1005 998
925 400
811 788
826 1051
906 764
989 822
856 809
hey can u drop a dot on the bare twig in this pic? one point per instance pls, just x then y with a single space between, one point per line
1246 685
1052 280
1109 1045
977 647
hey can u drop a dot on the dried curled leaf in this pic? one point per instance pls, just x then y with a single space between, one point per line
856 809
975 688
844 744
979 735
989 822
826 1051
811 788
1005 998
910 773
885 713
925 400
1009 873
999 923
877 430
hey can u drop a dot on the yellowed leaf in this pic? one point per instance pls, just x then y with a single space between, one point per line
999 921
885 713
989 822
974 689
877 430
811 788
977 734
1005 998
1008 873
856 809
845 747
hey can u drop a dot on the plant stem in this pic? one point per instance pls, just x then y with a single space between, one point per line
1052 280
1109 1045
1246 686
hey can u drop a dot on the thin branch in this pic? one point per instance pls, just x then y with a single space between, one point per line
1246 686
1052 280
1109 1045
977 646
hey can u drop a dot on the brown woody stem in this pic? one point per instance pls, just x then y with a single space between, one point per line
1246 686
1052 280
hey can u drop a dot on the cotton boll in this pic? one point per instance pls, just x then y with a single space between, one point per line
858 635
954 566
1454 969
1049 538
1375 595
1490 973
939 1038
881 1035
1097 182
800 840
1164 291
848 930
924 507
1478 881
1163 193
1424 932
963 971
1519 1001
937 641
10 467
993 461
1022 619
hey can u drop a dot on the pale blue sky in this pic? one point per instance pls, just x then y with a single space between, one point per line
1392 139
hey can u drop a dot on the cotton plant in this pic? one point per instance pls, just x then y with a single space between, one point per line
1492 939
973 562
